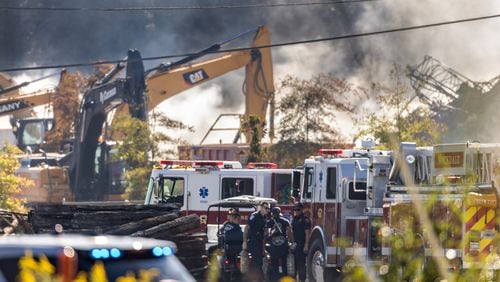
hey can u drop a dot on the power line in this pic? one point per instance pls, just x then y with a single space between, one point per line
176 8
349 36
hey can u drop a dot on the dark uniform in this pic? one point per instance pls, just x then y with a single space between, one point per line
231 239
278 244
256 224
300 224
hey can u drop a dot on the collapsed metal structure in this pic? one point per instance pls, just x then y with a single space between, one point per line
467 107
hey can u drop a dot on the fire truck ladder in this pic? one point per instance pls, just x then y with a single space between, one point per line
437 85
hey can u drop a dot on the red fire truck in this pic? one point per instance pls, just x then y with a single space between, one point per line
437 204
446 198
345 207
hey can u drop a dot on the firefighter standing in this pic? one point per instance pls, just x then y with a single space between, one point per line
301 227
253 241
232 235
279 233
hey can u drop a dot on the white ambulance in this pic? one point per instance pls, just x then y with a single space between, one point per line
197 184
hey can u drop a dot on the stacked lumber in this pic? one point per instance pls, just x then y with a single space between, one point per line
92 218
14 223
151 221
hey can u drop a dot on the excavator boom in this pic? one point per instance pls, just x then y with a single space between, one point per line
10 105
259 86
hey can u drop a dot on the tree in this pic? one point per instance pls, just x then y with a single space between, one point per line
160 123
9 182
307 110
402 118
251 125
307 107
65 104
138 147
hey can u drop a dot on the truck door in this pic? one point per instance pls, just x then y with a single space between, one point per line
314 181
331 214
356 236
309 182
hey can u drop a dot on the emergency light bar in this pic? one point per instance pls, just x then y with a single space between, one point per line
262 165
176 162
208 163
197 163
330 152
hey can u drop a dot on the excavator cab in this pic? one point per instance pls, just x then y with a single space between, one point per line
31 132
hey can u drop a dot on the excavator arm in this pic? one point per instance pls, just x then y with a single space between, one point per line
259 87
140 92
89 175
13 104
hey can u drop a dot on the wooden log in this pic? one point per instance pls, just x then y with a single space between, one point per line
102 218
131 227
179 225
100 206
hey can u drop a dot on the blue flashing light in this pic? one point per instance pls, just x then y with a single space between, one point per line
157 251
104 253
96 253
115 253
167 251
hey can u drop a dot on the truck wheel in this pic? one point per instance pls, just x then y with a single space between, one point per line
316 260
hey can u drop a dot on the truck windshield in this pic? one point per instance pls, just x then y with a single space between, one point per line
348 169
171 190
358 176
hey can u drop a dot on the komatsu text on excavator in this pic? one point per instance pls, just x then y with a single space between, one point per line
29 131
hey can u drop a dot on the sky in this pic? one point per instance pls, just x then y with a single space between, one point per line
39 38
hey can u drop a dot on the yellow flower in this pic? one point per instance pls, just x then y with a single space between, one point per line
98 273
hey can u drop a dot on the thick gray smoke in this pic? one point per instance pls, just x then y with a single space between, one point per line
52 37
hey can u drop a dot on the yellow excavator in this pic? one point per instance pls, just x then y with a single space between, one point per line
30 131
92 174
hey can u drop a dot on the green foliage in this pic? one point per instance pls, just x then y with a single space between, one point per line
134 148
9 182
137 147
399 117
291 153
138 181
251 124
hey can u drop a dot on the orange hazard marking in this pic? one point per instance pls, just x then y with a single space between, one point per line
478 219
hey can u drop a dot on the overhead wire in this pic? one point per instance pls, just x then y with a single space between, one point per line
177 8
290 43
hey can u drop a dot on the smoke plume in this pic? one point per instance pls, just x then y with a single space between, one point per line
58 37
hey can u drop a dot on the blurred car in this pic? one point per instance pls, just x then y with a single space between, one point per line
93 258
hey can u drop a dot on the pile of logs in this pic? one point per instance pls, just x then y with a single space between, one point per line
152 221
14 223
